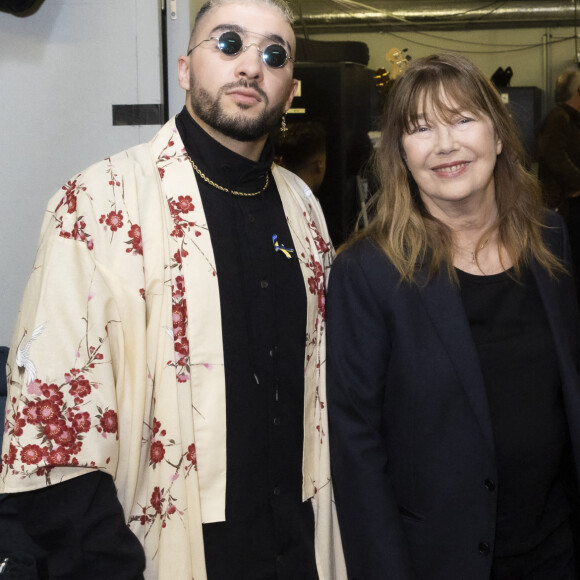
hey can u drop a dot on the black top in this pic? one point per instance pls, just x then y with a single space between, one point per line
268 532
522 380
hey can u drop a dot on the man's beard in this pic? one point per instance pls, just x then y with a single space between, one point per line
238 127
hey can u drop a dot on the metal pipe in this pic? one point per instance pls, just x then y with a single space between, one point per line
326 16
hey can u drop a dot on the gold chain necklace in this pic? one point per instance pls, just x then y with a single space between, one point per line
473 259
232 191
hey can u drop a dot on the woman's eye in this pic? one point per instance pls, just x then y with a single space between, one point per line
419 129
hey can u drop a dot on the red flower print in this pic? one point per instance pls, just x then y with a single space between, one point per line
10 457
70 197
179 287
179 317
161 172
177 232
66 437
51 392
156 425
135 235
157 452
156 499
184 203
81 422
182 346
47 411
58 456
115 220
31 454
312 286
19 423
31 413
54 428
322 304
170 509
80 387
109 421
191 454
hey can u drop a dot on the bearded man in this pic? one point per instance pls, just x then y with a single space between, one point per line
167 375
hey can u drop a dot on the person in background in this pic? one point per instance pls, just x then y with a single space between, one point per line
301 148
559 158
453 353
559 145
167 397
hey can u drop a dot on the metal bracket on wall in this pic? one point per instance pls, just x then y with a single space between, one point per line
137 115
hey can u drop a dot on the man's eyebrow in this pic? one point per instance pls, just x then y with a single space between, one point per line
241 30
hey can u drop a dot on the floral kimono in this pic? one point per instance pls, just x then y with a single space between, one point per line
117 358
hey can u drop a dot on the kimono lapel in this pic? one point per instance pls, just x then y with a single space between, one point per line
315 252
197 331
445 308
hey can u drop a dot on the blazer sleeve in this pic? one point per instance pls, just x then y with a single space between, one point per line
359 348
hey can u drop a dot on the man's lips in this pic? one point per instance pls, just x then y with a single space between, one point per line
245 95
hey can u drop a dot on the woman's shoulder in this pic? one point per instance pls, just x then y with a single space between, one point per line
366 256
555 233
554 226
553 219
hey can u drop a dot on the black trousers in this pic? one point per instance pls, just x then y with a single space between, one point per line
74 530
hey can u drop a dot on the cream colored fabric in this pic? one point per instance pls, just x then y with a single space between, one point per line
117 359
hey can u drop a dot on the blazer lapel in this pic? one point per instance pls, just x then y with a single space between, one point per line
445 308
562 323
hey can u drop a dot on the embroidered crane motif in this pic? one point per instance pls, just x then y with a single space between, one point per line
23 359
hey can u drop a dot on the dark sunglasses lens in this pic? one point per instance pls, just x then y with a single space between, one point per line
230 43
275 55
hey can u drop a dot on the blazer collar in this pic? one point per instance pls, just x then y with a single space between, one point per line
445 308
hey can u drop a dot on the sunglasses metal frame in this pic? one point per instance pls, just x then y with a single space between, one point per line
244 47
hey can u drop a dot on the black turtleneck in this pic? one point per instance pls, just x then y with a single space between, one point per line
269 531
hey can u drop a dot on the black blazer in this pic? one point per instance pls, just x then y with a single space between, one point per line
411 439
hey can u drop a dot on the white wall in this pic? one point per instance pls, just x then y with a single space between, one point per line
61 70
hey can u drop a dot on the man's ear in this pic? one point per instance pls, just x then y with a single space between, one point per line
183 65
293 90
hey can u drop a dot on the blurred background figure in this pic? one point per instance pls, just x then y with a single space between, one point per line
559 145
559 158
302 150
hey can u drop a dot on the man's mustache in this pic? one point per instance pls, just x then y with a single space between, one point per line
243 83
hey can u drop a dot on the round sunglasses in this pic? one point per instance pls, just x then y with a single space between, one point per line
231 43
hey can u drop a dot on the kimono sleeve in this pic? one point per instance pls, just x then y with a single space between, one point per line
61 412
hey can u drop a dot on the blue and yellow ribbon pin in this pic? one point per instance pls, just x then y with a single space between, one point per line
278 247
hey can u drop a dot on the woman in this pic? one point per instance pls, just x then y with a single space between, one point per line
454 393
